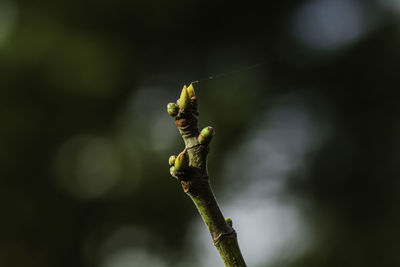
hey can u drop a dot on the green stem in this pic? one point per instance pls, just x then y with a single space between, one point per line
223 235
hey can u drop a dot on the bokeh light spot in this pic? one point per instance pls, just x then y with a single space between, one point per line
129 257
329 24
8 16
390 4
88 166
124 247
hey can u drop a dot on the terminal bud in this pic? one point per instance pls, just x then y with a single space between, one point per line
190 91
184 100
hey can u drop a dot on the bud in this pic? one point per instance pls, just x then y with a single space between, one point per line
190 91
184 100
206 135
182 161
229 221
171 160
172 109
172 171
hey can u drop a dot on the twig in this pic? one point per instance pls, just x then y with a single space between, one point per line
190 167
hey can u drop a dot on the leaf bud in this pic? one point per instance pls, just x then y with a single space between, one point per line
171 160
182 161
172 171
190 91
184 100
172 109
206 135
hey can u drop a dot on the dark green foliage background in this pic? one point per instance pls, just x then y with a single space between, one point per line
70 68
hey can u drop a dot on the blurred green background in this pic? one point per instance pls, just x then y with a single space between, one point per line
306 154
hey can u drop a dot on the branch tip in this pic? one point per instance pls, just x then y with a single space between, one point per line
190 168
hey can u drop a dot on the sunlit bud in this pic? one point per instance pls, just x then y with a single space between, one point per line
172 109
184 100
229 221
182 161
206 135
190 90
172 171
171 160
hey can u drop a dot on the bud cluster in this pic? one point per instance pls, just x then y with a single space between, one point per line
178 163
185 103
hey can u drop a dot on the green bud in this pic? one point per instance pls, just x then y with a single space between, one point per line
172 171
229 221
184 100
172 109
206 135
190 91
182 161
171 160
